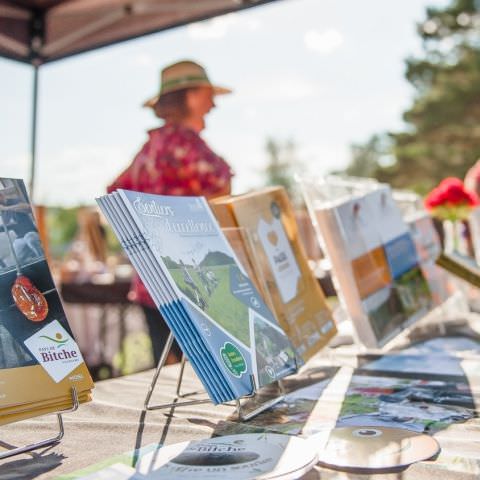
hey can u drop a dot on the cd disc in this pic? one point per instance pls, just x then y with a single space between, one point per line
234 457
375 449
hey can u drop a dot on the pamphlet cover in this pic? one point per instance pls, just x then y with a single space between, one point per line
375 262
299 303
211 298
39 359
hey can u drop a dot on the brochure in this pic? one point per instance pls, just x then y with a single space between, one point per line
40 362
218 317
415 404
299 303
428 247
374 260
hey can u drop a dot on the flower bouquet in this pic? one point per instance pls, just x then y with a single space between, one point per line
451 202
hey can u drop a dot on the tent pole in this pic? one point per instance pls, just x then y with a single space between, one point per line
33 144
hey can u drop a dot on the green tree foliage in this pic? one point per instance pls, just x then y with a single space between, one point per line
62 226
282 164
369 157
442 137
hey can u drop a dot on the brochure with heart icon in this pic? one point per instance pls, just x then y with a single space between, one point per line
297 299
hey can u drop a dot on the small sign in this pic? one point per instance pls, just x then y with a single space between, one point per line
55 350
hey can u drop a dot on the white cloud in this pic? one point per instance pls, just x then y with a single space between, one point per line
325 42
278 88
219 27
212 29
321 158
78 174
16 166
144 59
252 23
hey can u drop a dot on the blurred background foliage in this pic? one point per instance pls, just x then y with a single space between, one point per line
442 132
64 227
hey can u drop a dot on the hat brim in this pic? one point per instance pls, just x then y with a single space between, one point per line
216 91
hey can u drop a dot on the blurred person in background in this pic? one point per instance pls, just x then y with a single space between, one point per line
175 161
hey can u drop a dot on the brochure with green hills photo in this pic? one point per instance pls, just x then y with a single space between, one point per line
217 315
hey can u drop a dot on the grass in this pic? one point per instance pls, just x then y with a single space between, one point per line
222 306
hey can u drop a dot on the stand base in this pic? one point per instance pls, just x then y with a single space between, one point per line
241 416
48 441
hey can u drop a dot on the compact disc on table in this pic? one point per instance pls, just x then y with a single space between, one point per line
375 449
233 457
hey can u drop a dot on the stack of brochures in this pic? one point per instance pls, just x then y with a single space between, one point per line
298 302
373 258
40 363
218 317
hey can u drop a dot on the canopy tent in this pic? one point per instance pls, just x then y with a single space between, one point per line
41 31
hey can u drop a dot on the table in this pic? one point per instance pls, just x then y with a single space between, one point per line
115 422
105 296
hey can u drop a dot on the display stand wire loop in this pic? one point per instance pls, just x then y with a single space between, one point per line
161 363
180 379
49 441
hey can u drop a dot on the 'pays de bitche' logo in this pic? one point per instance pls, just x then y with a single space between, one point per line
55 350
53 353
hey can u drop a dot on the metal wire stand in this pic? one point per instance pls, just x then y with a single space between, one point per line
49 441
239 408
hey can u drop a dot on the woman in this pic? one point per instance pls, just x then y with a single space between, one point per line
176 161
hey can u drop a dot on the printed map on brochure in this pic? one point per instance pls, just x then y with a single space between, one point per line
218 295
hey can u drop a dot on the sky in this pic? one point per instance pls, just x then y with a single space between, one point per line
322 73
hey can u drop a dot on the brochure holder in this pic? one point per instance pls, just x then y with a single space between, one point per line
49 441
239 407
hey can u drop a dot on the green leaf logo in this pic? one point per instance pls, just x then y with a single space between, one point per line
233 359
59 340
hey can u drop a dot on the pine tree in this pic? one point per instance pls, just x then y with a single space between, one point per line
442 137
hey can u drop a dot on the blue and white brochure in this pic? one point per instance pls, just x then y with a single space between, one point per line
145 264
207 297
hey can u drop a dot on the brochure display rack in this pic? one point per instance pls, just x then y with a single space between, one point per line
241 413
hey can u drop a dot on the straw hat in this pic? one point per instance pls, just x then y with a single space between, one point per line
184 74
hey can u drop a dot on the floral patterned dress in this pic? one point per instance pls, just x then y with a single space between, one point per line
174 161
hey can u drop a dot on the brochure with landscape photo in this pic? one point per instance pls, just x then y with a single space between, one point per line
299 303
428 247
217 315
420 405
374 261
39 359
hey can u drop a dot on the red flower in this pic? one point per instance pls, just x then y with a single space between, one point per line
450 193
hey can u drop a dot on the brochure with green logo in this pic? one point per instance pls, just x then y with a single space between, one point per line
217 315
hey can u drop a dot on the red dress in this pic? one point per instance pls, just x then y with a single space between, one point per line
174 161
